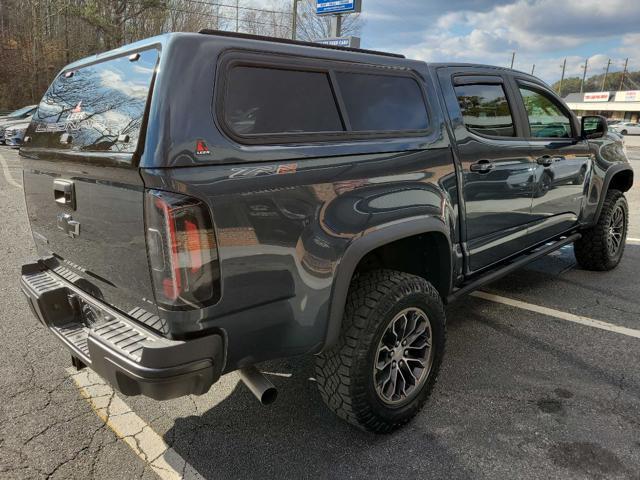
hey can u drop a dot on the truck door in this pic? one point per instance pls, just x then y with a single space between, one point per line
495 166
562 161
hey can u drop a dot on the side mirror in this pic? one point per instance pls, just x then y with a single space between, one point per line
594 127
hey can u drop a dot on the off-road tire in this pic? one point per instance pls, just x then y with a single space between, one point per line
345 372
591 250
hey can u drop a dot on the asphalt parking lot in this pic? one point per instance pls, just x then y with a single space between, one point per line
530 388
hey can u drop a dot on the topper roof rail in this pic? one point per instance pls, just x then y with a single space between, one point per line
287 41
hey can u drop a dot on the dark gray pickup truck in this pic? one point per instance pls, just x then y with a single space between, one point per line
205 202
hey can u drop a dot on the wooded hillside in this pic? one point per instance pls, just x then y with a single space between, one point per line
39 37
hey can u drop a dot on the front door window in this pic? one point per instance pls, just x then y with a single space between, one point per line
546 118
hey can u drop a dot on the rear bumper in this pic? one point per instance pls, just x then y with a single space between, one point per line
133 359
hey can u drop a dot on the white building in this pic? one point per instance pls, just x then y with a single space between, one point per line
623 105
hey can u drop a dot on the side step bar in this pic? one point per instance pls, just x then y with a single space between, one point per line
519 263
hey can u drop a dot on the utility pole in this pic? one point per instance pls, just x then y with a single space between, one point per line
624 74
294 23
564 69
237 16
533 69
584 75
606 74
66 33
513 59
336 26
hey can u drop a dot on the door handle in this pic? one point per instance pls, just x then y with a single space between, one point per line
483 166
548 160
64 193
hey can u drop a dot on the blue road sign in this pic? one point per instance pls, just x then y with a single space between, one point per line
336 7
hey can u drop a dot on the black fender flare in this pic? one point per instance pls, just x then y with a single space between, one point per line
611 172
360 247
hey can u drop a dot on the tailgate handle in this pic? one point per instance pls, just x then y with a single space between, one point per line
64 193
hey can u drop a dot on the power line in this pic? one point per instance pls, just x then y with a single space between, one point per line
244 20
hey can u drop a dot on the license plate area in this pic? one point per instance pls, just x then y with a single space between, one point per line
87 314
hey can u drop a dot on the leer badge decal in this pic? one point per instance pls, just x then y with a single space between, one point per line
201 148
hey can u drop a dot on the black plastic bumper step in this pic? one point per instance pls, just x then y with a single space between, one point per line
132 358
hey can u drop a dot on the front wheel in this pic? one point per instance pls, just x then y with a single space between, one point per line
602 246
385 364
579 180
624 132
543 185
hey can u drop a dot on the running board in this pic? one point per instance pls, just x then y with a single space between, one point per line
519 263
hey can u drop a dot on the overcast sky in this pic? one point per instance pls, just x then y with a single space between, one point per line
543 32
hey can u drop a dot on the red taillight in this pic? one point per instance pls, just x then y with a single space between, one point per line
194 245
182 248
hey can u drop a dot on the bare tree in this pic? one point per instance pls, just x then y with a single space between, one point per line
190 16
112 18
275 22
39 37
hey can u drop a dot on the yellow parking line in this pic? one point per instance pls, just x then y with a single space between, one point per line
132 429
550 312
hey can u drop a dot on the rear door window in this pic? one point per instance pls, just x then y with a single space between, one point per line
382 103
267 101
99 107
485 110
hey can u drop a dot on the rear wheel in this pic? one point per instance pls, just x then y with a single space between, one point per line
385 364
624 132
602 246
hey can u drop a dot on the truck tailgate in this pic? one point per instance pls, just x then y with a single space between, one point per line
83 190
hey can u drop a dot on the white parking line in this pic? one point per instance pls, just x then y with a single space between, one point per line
550 312
132 429
633 241
7 174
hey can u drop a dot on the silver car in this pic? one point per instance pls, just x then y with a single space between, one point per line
14 135
19 114
9 124
627 128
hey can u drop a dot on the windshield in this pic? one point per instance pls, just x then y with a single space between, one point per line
21 112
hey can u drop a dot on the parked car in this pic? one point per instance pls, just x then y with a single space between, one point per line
11 124
19 114
244 199
627 128
14 134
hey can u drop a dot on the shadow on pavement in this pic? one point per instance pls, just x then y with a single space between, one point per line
561 267
298 437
